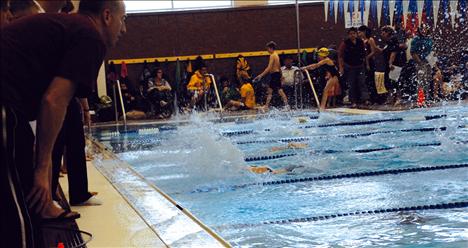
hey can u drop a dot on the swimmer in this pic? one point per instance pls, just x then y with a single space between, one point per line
266 169
291 145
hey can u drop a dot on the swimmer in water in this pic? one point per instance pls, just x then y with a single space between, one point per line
265 169
291 145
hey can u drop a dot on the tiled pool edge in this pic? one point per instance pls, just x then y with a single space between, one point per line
174 225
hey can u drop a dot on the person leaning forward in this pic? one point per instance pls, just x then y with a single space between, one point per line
46 60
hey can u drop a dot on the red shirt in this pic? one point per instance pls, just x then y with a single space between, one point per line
38 48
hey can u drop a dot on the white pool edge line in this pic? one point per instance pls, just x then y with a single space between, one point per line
101 148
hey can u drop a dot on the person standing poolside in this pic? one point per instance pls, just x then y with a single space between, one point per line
274 69
421 47
72 48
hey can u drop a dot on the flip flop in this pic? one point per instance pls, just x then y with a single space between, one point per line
66 215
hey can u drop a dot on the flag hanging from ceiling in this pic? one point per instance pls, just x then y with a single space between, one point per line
412 20
428 13
373 21
385 13
398 14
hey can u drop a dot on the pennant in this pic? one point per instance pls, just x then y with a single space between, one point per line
435 10
391 4
325 8
366 13
398 16
362 9
379 12
331 9
420 11
341 5
373 20
405 11
412 17
385 13
427 15
444 10
351 8
335 9
453 11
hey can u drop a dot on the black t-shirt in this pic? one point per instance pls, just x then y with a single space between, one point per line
393 45
38 48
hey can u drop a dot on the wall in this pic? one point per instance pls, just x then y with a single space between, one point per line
222 31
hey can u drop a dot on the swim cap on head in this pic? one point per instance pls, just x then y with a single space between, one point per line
323 52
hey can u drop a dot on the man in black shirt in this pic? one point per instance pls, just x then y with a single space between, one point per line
394 55
351 61
46 60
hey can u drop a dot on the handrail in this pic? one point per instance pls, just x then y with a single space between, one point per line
298 77
216 91
313 89
122 103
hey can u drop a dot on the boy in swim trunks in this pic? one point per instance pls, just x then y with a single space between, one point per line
274 69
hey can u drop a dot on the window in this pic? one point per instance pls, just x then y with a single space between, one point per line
272 2
168 5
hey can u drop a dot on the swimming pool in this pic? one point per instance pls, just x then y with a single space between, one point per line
393 178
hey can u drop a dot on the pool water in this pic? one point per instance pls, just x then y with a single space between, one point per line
203 165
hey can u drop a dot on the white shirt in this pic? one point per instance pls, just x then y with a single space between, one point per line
288 75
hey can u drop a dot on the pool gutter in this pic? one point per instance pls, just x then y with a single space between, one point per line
172 223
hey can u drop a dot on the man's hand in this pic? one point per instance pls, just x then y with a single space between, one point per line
87 118
257 78
392 67
40 196
341 71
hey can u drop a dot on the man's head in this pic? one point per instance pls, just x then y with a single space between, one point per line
288 62
352 33
423 30
387 33
5 14
323 53
364 32
109 16
203 70
271 46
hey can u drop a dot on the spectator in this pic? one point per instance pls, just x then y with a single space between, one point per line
394 55
274 69
288 72
159 94
352 62
229 92
247 100
5 13
421 47
365 34
332 87
199 85
43 92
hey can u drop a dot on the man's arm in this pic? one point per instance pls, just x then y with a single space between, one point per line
391 60
269 67
51 115
340 58
86 116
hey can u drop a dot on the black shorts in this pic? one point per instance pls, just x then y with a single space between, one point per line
275 81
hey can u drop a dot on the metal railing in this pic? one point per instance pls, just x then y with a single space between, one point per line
313 89
216 91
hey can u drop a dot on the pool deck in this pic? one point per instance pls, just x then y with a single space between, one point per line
117 223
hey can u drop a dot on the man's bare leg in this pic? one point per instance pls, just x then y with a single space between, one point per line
269 96
283 97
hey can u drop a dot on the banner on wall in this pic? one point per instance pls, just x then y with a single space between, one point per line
409 13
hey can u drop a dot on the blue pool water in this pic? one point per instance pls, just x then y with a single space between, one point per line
199 165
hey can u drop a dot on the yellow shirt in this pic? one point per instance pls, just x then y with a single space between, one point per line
196 82
248 93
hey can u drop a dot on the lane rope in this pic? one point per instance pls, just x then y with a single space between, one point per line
334 177
450 205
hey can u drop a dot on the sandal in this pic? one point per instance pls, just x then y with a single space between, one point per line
66 215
